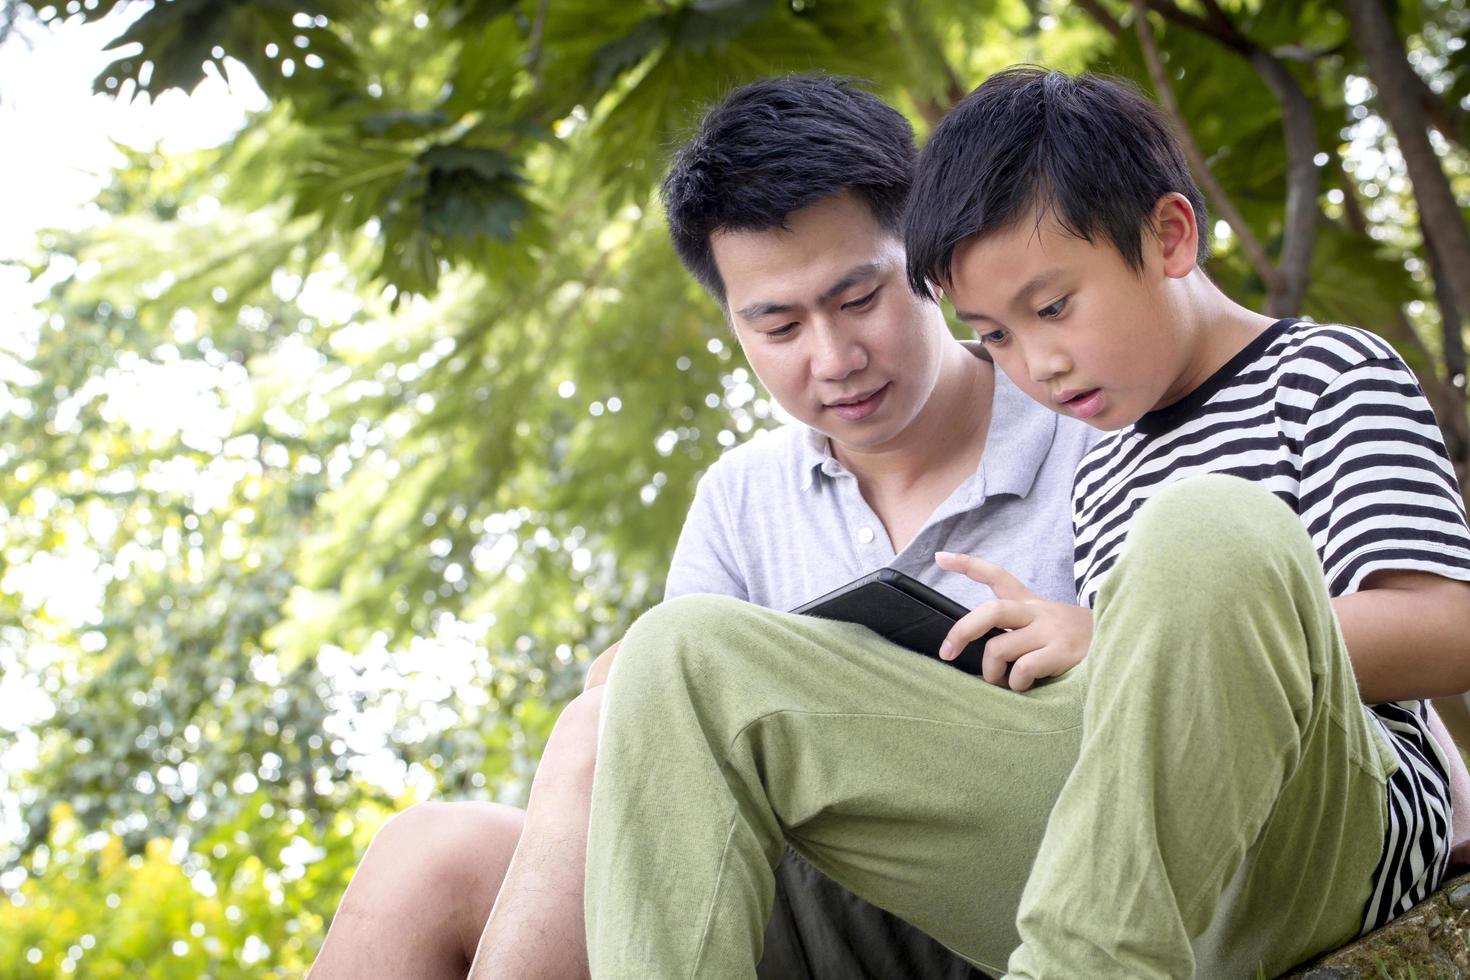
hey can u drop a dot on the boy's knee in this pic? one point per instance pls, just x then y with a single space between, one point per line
1211 522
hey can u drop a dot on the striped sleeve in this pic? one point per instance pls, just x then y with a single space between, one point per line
1377 487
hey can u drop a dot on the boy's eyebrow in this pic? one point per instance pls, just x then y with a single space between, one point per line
849 278
1023 295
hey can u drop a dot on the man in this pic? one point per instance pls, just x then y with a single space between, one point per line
786 206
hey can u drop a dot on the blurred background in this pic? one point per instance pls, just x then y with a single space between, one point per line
351 395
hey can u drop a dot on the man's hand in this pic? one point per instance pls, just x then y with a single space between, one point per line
1044 639
597 673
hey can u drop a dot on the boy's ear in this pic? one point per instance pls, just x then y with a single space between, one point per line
1177 234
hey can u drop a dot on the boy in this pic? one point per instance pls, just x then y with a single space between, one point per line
1199 783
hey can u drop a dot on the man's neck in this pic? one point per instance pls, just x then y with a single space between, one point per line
948 434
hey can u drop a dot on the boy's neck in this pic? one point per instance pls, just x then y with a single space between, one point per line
1218 328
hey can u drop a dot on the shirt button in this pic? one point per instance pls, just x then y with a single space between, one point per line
866 535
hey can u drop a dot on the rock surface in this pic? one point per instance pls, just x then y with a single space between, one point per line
1430 942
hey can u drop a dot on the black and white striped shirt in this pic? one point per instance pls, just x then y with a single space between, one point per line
1333 422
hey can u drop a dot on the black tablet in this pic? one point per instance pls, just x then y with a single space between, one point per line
902 610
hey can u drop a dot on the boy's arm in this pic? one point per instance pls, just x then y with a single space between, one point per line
1408 635
1379 497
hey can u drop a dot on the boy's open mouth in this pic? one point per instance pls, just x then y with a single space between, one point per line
1084 404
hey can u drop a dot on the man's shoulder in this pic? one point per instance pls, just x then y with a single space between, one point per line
768 457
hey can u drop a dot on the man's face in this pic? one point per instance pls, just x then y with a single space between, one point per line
1071 323
828 323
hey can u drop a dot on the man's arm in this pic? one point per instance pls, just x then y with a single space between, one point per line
704 562
1408 636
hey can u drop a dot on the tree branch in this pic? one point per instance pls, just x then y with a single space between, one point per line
1255 253
1217 16
1302 178
1098 13
1303 182
1352 208
1443 115
1452 328
537 39
1231 38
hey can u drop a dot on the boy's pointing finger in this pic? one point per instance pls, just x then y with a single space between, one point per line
1001 582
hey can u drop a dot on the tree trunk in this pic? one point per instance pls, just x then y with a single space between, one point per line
1398 97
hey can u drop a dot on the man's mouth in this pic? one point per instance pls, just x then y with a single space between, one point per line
859 406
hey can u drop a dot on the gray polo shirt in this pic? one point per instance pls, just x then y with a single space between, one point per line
778 520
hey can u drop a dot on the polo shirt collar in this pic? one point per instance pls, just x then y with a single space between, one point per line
1020 435
813 452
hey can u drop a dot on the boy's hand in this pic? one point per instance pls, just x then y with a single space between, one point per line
1045 638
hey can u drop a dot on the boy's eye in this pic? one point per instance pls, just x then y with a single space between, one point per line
1054 310
862 302
992 337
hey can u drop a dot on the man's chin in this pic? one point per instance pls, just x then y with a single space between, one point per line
860 438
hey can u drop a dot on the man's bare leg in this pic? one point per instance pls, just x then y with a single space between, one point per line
418 902
536 930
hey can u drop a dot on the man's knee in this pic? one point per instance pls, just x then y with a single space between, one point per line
684 640
444 848
443 833
572 748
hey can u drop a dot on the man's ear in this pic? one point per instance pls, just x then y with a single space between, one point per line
1177 234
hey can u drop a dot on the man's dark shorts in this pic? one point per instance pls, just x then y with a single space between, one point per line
821 931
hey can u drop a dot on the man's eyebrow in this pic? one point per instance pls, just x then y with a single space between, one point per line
853 276
755 310
1023 295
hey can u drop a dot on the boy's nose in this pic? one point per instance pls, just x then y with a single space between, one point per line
1046 365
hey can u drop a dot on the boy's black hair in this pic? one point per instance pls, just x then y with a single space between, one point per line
1092 152
775 146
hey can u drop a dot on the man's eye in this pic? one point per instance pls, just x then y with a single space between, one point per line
781 331
862 302
1054 310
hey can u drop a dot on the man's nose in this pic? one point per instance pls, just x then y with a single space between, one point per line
837 355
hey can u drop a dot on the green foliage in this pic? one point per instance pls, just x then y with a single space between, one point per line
437 396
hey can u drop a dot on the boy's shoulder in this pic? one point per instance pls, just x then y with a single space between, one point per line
1335 347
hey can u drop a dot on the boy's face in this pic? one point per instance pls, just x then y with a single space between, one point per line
1073 325
827 321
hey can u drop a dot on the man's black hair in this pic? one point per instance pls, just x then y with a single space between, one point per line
1091 152
776 146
